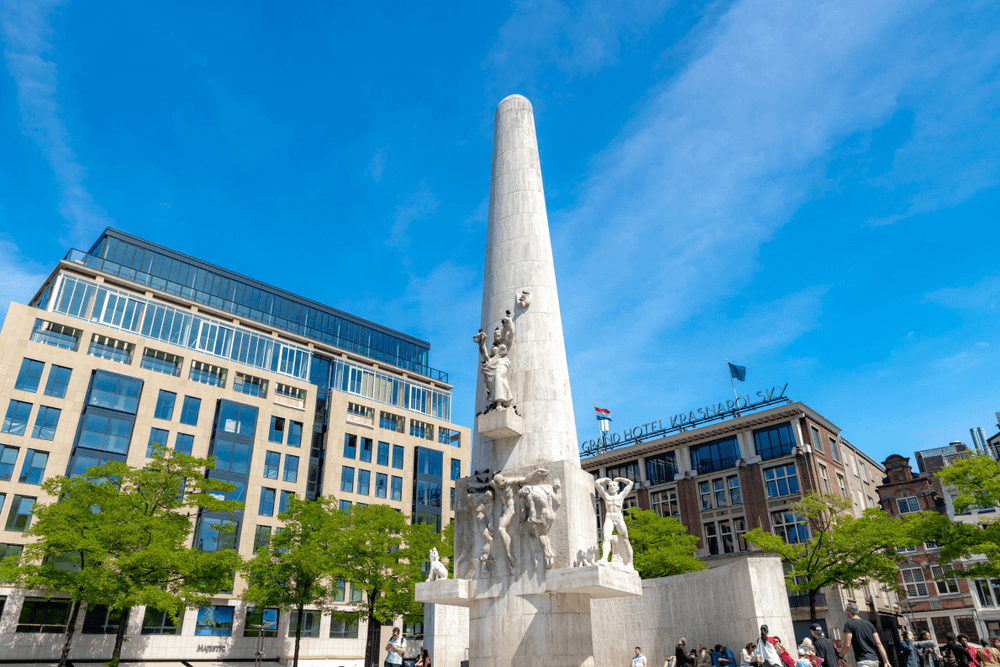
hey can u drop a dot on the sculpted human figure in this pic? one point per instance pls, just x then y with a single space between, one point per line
481 503
495 365
539 504
507 487
613 519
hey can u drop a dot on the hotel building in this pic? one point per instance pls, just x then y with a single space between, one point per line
735 470
130 344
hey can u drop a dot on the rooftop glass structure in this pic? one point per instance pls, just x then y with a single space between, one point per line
144 263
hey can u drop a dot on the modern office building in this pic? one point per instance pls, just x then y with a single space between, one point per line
733 470
131 343
938 599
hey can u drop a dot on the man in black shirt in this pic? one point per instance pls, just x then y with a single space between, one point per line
860 635
825 649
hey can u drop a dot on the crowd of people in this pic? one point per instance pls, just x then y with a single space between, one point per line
819 651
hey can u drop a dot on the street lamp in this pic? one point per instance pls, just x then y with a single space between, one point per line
259 654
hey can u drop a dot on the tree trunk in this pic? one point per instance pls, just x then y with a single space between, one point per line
74 611
120 637
812 605
298 634
371 645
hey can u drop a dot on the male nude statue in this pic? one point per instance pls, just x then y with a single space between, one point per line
613 519
507 487
481 503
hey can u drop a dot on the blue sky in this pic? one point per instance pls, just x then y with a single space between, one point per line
809 189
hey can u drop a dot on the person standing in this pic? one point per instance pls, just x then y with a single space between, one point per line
971 650
910 651
825 650
638 660
860 635
395 649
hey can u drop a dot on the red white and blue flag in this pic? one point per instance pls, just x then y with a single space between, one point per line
602 414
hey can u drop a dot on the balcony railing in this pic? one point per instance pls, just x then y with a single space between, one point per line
802 600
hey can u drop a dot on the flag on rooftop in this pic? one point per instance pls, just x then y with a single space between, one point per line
602 413
737 372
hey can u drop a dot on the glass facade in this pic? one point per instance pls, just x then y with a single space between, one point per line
774 441
714 456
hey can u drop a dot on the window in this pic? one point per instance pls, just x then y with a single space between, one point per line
914 582
208 374
705 491
8 457
726 537
310 624
231 456
20 513
184 443
908 505
109 434
360 414
16 420
294 434
99 621
740 528
340 590
45 423
286 497
357 595
261 622
456 469
420 429
383 454
58 381
397 457
392 422
290 396
781 481
215 534
988 592
774 441
111 349
451 499
735 495
261 538
947 584
266 502
711 539
396 490
34 467
381 484
446 436
344 505
824 478
291 469
366 450
719 488
790 528
715 456
272 461
628 470
165 405
277 432
665 503
115 392
347 479
841 485
214 621
189 413
250 385
429 493
161 362
429 462
834 450
364 481
30 375
343 629
864 471
157 436
43 616
661 468
350 446
156 622
817 443
56 335
238 419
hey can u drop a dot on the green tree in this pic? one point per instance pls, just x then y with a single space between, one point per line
976 481
383 555
296 567
841 549
661 545
118 536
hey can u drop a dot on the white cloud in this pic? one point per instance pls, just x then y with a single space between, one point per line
377 165
418 205
982 295
26 34
20 278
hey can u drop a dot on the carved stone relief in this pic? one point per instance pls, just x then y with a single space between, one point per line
539 504
508 488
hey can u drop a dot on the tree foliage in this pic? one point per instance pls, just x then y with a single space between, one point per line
661 546
119 536
842 549
383 555
297 566
977 483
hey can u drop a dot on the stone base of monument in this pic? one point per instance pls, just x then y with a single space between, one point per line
597 581
454 592
500 424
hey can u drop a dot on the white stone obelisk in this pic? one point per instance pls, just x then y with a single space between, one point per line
526 515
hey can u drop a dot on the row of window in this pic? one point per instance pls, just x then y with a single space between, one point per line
19 516
818 444
15 421
277 432
32 470
364 483
362 414
917 586
363 453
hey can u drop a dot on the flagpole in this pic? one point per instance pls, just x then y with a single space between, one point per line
729 370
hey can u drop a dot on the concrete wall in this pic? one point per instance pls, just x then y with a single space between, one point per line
446 634
724 605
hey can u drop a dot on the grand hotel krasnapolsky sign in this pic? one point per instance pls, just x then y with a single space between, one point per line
691 417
